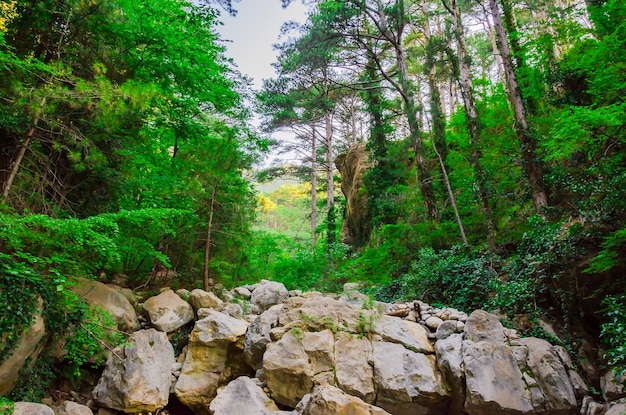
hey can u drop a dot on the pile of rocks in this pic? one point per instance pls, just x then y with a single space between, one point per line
261 349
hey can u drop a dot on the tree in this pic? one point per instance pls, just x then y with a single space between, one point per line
532 165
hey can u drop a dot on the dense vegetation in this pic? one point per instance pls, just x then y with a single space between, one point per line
496 140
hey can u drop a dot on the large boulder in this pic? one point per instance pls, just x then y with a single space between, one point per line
204 299
28 347
109 299
329 400
410 335
450 362
510 376
551 376
29 408
288 369
258 336
268 294
353 369
214 351
494 382
242 396
137 376
407 382
168 312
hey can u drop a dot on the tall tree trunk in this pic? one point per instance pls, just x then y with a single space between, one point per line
532 166
330 182
415 137
313 186
473 121
207 247
411 108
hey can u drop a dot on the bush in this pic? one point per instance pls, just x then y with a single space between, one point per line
614 333
455 277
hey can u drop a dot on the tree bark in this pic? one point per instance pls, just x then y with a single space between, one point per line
330 182
313 186
532 167
207 247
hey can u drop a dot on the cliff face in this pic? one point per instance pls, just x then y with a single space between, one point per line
352 165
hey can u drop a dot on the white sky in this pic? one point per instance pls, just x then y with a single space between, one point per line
253 31
251 34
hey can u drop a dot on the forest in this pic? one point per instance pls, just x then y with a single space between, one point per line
490 137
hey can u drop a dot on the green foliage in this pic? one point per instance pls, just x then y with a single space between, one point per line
614 333
89 340
612 253
454 277
114 242
6 406
35 378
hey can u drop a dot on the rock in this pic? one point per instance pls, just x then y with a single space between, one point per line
482 326
29 408
352 165
213 357
411 335
320 347
353 370
591 407
73 408
320 312
288 371
618 408
551 375
28 348
269 294
231 309
446 329
494 383
242 396
100 295
407 382
613 387
202 299
258 336
168 312
329 400
140 381
450 362
433 322
183 293
243 292
126 292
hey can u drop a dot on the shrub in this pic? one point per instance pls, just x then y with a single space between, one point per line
455 277
614 333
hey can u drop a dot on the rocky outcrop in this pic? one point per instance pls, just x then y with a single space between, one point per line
168 312
137 376
109 299
352 165
28 347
